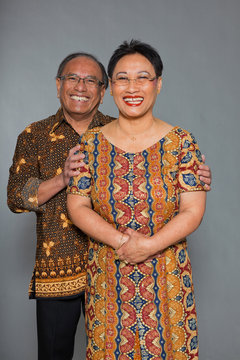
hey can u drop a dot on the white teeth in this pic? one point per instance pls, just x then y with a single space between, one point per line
134 101
79 98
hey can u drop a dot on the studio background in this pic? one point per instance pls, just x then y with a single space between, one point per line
199 45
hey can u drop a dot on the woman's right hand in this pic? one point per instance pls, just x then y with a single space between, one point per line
135 249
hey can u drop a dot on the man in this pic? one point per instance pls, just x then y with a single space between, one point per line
42 166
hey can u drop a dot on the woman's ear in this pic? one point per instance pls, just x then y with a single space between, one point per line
159 84
110 86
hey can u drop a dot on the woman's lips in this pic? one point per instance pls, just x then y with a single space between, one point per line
133 100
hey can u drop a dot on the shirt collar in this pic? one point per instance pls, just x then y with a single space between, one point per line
59 119
98 120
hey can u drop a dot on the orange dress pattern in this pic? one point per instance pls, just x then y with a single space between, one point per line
144 311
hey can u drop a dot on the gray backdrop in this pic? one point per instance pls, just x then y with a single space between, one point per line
199 45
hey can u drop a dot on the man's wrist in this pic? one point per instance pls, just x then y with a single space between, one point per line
60 181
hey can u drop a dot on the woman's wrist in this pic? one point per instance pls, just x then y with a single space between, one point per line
150 245
121 240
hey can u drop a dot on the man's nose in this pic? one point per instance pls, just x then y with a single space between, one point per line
81 84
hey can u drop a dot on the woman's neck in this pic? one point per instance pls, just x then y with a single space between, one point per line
135 128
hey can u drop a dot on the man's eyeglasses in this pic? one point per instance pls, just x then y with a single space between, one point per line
139 80
73 79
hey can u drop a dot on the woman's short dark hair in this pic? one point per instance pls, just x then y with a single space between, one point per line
82 54
133 47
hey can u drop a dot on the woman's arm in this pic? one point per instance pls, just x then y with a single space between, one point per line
84 217
139 247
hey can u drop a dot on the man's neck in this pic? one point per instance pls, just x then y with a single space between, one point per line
79 123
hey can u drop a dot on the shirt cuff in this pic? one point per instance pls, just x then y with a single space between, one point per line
30 195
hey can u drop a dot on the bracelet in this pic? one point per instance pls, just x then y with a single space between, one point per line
122 241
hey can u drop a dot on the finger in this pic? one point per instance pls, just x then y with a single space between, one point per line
74 149
73 173
204 167
76 157
204 173
206 180
207 187
74 161
203 158
129 231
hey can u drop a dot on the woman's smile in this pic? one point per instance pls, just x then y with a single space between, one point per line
133 100
135 86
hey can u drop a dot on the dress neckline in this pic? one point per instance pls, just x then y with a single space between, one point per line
137 152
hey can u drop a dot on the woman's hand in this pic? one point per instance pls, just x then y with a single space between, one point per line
136 249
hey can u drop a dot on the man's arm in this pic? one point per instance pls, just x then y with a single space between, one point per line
26 190
51 187
24 178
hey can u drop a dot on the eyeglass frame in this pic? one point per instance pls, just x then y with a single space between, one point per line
78 78
134 79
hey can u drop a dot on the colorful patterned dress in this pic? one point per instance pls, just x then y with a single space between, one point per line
144 311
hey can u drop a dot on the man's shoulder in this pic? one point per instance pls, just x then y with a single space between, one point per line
41 126
46 123
105 118
100 120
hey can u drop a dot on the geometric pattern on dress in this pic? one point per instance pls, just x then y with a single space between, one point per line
143 311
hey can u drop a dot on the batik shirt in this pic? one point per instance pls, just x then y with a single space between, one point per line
61 254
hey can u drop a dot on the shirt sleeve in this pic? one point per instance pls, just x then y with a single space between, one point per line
190 159
82 183
24 178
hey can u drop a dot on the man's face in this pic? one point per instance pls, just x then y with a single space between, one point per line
80 99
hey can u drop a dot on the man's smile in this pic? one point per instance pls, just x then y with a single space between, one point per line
79 98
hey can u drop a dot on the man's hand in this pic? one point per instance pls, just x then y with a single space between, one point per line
73 161
204 172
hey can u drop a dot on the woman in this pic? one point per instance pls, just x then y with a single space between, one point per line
139 198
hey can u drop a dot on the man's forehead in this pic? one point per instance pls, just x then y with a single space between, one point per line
82 65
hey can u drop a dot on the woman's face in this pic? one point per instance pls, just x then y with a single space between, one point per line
133 98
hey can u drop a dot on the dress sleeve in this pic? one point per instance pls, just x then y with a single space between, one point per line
24 178
82 183
189 161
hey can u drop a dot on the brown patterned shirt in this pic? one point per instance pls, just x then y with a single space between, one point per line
61 254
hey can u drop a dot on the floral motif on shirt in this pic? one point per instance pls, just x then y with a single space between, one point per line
21 162
55 137
59 171
65 220
48 245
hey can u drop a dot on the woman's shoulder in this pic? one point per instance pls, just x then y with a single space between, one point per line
183 133
95 130
91 133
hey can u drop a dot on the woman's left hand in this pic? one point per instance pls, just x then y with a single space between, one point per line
136 249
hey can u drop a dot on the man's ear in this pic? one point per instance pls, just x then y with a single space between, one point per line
58 86
102 93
